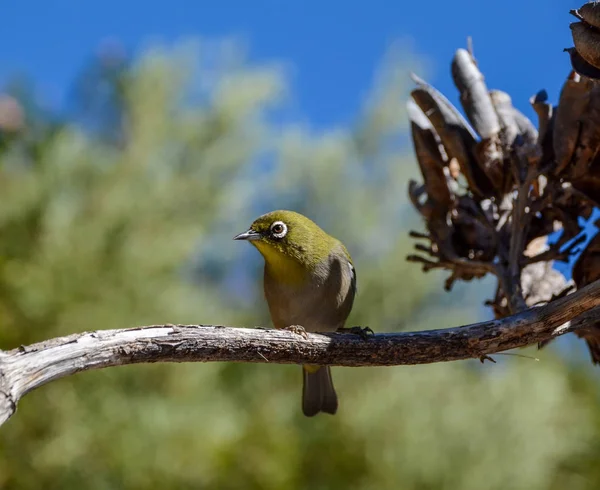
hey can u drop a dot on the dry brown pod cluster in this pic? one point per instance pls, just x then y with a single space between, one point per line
495 185
585 55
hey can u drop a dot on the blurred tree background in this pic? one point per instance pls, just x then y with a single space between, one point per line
121 213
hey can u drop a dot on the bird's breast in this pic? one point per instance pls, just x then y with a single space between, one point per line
319 299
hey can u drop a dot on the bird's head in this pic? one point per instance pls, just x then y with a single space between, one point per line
289 234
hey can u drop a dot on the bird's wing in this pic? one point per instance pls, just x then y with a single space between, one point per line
351 266
353 273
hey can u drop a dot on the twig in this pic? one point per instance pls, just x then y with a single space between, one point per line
471 267
419 235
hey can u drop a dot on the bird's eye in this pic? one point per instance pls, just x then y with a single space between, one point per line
278 229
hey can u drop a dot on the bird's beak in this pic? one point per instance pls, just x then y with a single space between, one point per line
248 235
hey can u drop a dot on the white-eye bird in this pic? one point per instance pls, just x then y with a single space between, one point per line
310 283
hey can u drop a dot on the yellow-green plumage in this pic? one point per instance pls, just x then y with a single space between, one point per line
309 281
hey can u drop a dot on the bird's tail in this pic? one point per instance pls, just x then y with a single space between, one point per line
318 393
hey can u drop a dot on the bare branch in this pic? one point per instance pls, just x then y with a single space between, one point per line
27 368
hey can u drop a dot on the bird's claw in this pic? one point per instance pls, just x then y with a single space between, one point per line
363 332
485 357
298 330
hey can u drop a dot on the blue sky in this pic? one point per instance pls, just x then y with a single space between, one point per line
334 46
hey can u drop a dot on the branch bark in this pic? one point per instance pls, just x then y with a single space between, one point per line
27 368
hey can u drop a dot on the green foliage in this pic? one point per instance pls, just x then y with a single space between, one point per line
110 232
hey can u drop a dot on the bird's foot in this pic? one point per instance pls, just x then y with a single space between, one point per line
363 332
298 330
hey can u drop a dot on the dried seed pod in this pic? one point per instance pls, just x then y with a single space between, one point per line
472 238
588 141
587 42
477 103
512 121
418 116
544 111
431 161
589 12
527 130
455 134
474 95
511 136
572 105
502 103
490 158
583 167
445 105
590 186
581 66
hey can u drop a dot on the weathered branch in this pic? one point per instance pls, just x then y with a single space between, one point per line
27 368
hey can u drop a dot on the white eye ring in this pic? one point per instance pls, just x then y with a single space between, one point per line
282 233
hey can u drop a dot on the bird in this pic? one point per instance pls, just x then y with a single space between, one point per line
309 284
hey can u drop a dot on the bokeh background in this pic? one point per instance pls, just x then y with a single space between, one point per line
138 137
